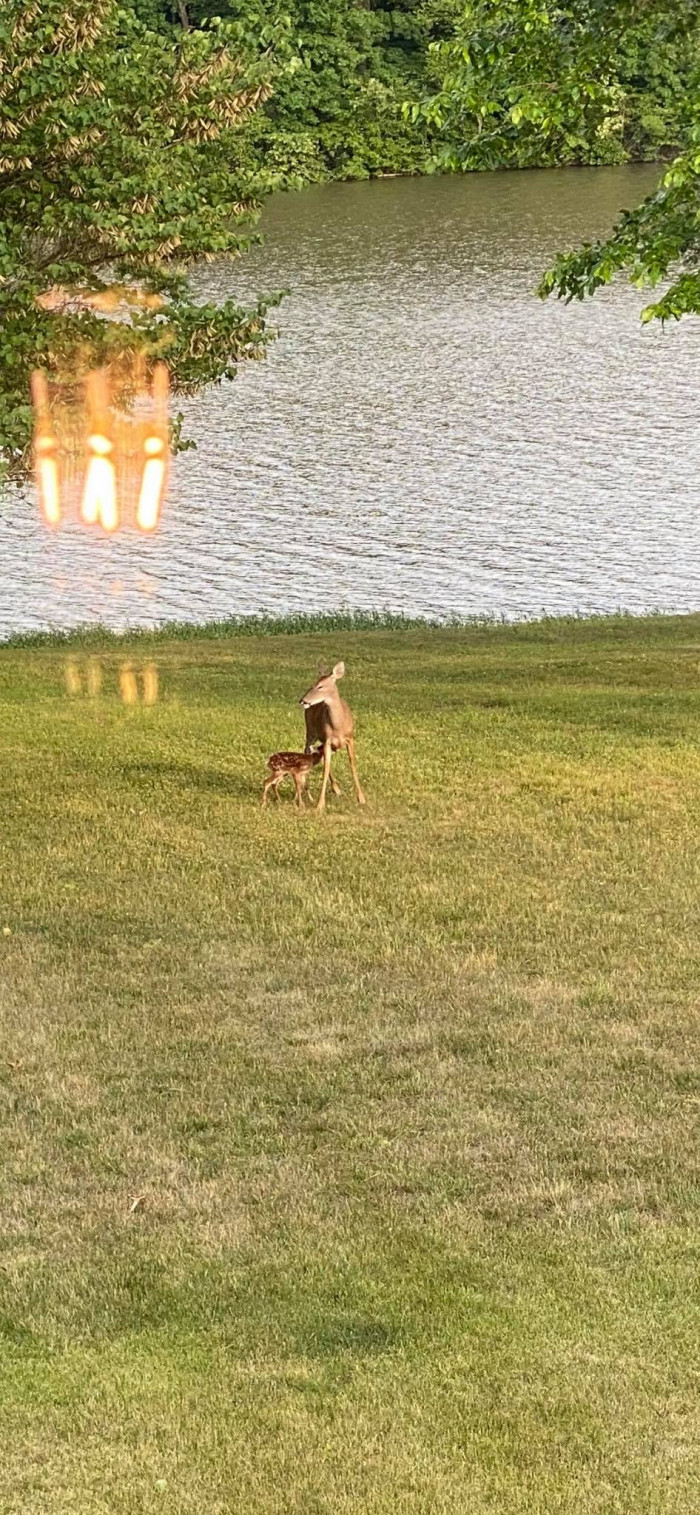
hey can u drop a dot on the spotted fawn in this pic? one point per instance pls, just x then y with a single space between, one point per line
297 765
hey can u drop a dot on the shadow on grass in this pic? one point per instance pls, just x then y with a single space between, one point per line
331 1335
189 776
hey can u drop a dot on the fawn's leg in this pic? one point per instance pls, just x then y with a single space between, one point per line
353 765
270 784
327 755
299 785
334 786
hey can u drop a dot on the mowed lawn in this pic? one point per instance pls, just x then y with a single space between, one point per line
350 1164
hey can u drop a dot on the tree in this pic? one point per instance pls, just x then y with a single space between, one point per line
528 83
532 82
120 165
339 114
660 238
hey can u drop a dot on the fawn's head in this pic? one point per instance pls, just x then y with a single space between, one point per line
323 691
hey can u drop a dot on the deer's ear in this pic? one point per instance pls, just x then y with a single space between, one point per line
323 669
339 670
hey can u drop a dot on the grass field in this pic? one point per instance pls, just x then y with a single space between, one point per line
408 1097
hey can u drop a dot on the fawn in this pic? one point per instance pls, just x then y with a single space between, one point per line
297 765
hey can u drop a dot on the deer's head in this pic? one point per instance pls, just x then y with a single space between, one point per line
324 690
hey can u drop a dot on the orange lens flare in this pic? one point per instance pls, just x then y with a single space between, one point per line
123 473
45 452
100 493
47 472
137 685
150 684
128 688
74 682
152 485
155 453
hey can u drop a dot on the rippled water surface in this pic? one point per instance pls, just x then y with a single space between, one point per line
425 436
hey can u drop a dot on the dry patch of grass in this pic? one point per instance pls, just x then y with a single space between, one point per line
350 1164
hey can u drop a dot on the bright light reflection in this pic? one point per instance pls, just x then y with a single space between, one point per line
100 492
48 484
150 684
152 484
136 685
128 687
45 452
113 451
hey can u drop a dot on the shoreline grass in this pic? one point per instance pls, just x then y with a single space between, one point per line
348 1163
296 623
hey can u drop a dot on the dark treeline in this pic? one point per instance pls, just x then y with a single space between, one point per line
337 110
398 86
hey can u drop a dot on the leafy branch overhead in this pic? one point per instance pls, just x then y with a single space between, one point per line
121 163
526 83
530 83
659 240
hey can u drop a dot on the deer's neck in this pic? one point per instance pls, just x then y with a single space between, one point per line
333 712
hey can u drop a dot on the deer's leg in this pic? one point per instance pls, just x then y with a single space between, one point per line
327 755
355 774
299 785
335 786
270 784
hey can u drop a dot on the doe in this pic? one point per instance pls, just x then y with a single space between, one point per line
329 720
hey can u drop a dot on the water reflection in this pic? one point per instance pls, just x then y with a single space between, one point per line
426 436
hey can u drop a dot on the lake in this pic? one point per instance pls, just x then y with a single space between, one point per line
425 436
